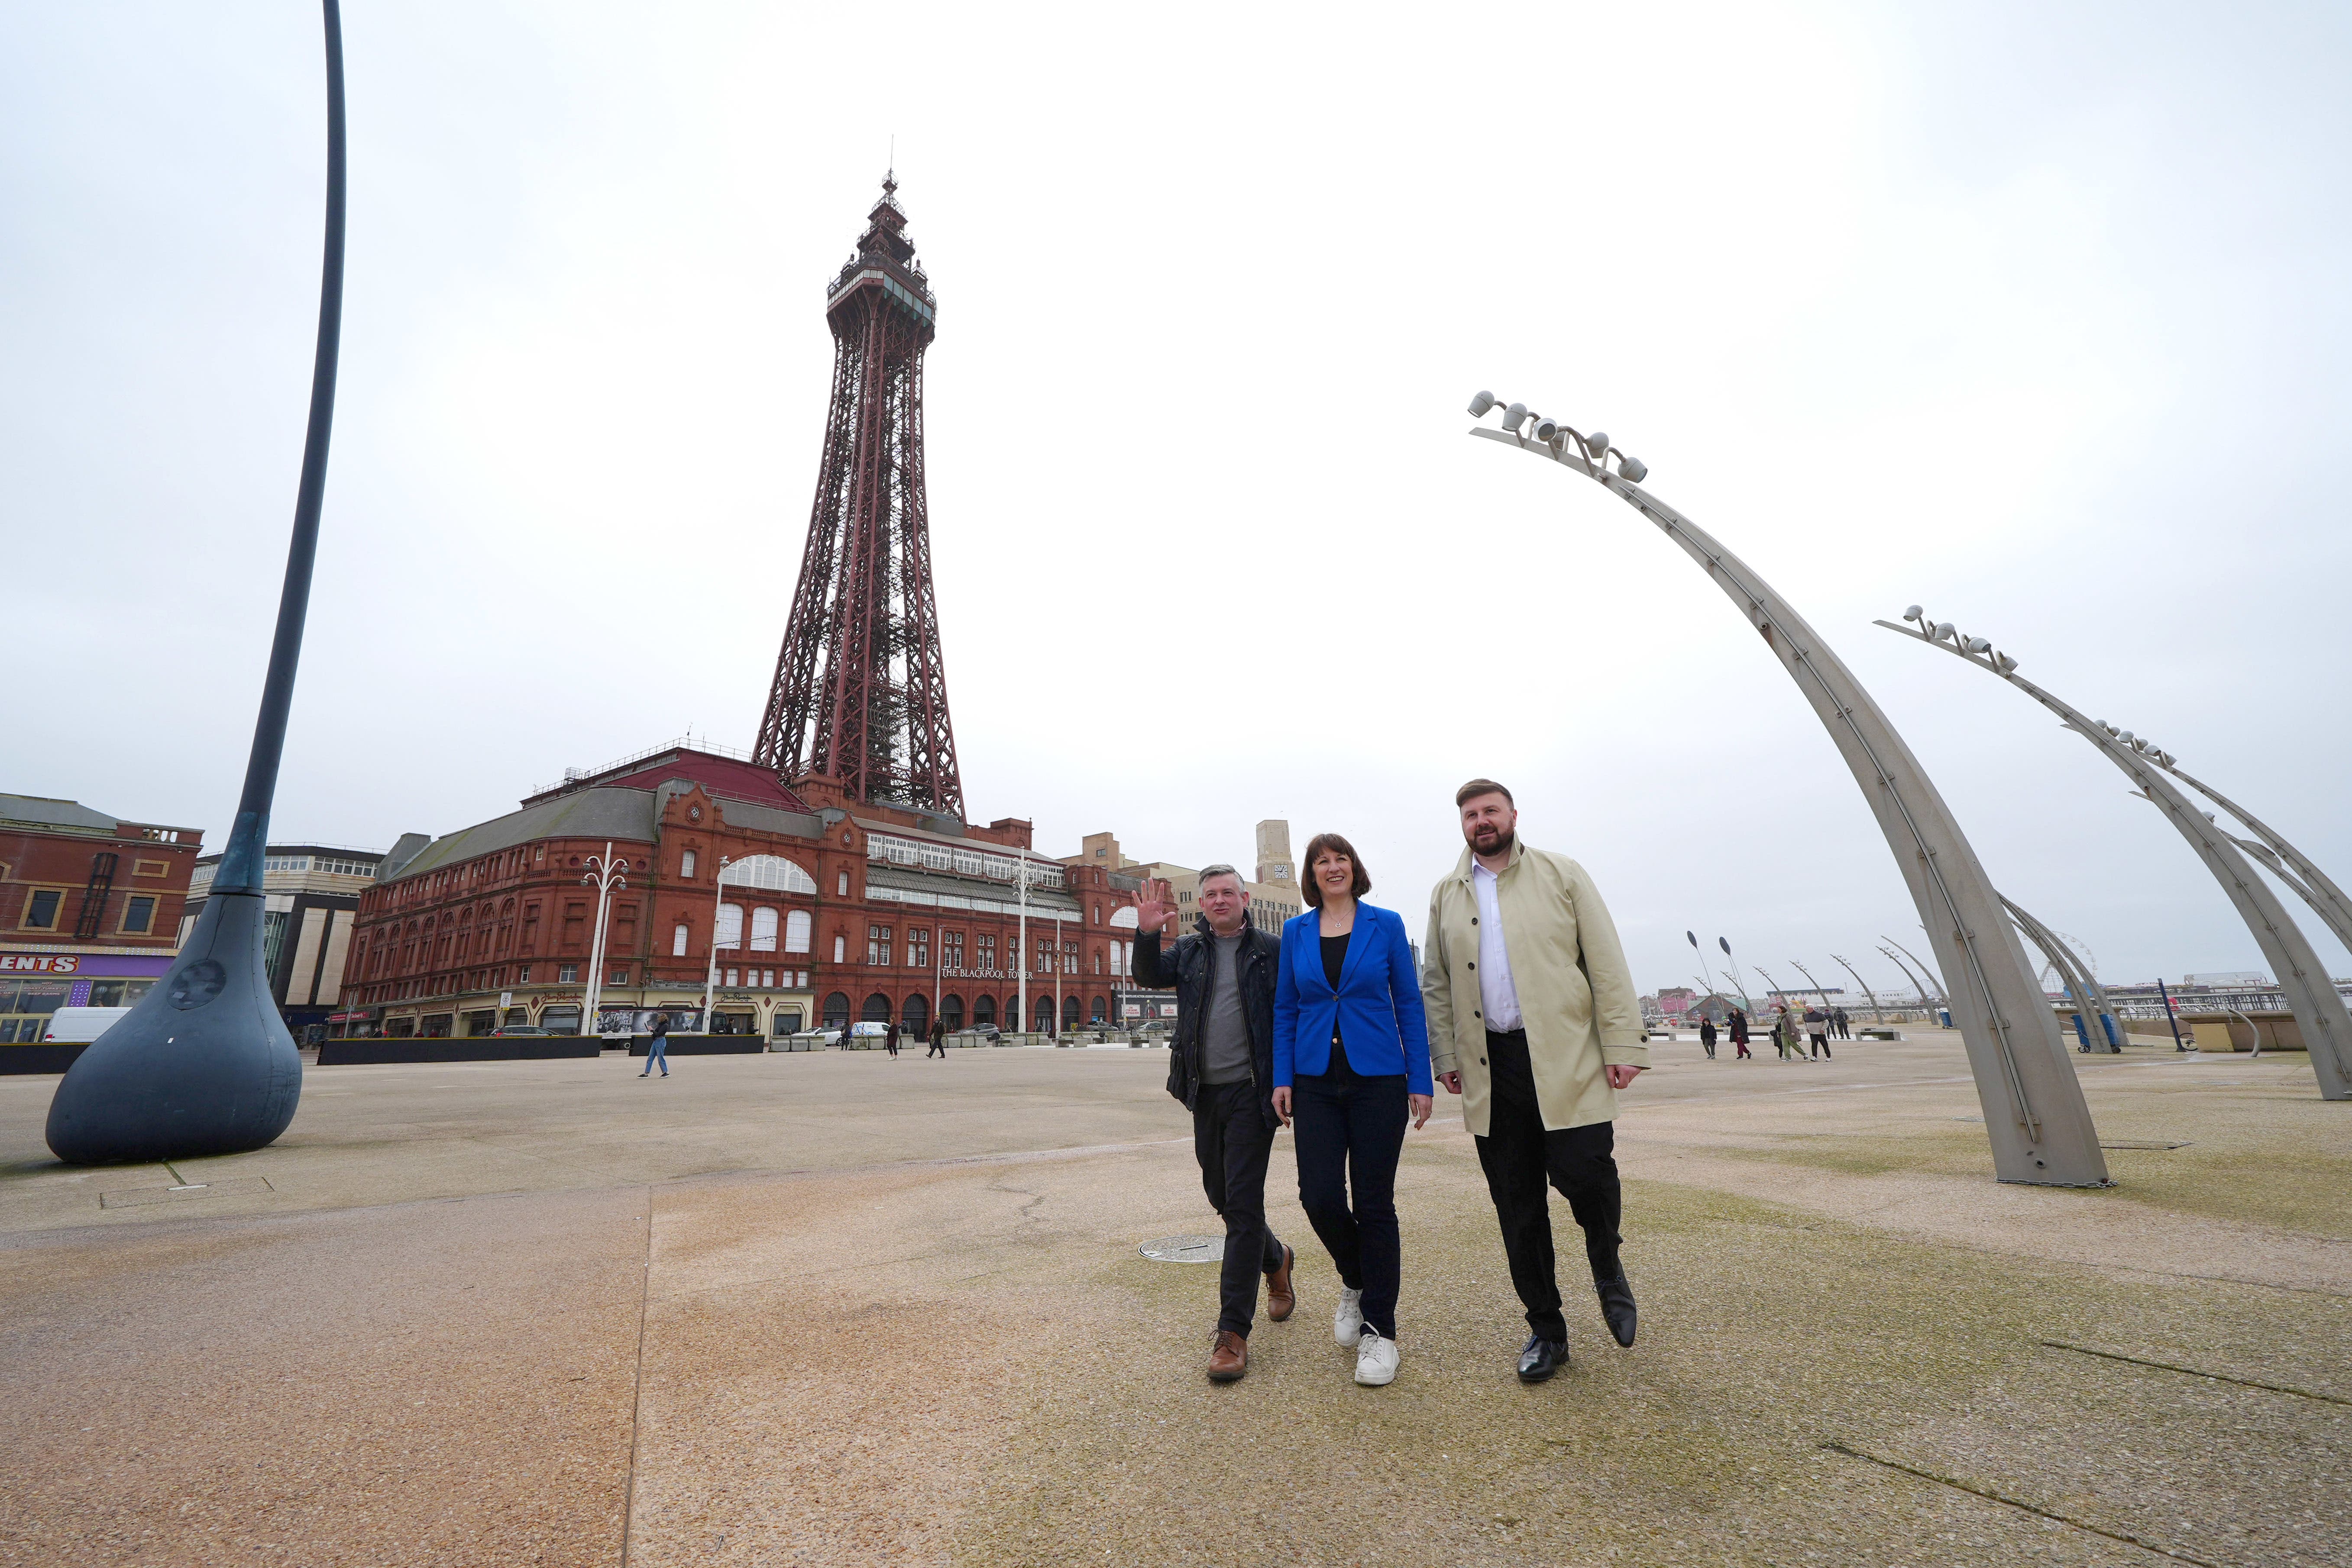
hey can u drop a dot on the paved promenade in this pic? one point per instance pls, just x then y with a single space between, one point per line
839 1309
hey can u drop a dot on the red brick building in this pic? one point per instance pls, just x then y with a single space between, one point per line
89 909
832 911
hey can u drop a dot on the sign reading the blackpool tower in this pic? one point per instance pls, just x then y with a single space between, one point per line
860 694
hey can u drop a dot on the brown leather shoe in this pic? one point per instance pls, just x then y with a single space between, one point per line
1230 1359
1279 1297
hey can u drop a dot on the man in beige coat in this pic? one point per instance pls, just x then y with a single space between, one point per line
1533 1020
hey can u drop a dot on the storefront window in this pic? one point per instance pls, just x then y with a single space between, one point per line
560 1020
725 1023
436 1026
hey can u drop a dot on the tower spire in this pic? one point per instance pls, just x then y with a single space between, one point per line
860 689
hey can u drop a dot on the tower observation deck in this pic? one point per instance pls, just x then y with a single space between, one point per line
860 693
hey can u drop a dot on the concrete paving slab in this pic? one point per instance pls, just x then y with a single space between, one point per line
862 1312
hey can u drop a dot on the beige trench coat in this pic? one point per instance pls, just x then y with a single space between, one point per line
1575 995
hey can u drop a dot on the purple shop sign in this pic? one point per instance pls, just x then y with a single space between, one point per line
85 965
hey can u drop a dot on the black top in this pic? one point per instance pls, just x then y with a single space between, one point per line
1334 955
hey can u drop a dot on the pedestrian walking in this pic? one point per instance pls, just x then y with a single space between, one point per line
1706 1035
1534 1023
938 1040
1844 1031
657 1046
890 1037
1739 1037
1784 1031
1817 1029
1221 1066
1350 1068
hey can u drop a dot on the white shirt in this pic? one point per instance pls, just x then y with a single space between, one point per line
1498 999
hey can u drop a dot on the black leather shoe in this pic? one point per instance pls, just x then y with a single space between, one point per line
1541 1358
1617 1307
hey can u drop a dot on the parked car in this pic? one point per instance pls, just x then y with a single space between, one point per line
71 1026
869 1030
989 1030
516 1029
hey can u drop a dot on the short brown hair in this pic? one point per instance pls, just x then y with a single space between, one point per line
1477 787
1331 843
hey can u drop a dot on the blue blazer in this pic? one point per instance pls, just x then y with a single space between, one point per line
1377 1003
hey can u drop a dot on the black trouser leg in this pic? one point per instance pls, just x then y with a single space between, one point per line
1512 1155
1234 1143
1582 1163
1350 1131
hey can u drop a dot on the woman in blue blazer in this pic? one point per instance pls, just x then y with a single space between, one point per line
1351 1066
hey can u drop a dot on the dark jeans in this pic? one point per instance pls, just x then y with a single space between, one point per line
1351 1129
1821 1045
1232 1142
1519 1157
656 1050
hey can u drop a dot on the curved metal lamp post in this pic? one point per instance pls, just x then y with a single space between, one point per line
2319 1012
2034 1113
203 1064
1927 998
1877 1013
2080 982
2328 900
604 874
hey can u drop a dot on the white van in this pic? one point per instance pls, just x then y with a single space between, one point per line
73 1026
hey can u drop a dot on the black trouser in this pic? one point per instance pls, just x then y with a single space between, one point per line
1519 1156
1351 1129
1821 1045
1232 1142
939 1048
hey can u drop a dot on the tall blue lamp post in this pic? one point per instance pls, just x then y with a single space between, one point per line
203 1064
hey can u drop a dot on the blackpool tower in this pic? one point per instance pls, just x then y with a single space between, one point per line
860 694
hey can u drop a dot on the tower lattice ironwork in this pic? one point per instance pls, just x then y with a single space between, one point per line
860 693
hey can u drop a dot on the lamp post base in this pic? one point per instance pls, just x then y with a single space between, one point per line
203 1064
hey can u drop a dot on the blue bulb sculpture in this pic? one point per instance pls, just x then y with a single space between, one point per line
203 1064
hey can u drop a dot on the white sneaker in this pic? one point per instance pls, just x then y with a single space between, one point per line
1376 1360
1347 1322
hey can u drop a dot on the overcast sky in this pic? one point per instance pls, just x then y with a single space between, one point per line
2035 314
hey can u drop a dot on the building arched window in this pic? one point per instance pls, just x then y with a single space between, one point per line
677 941
951 1010
1069 1012
918 1014
797 926
1101 1007
836 1011
878 1009
763 931
730 925
983 1010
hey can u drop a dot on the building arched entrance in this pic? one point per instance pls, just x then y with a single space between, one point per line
983 1010
836 1011
876 1009
917 1015
951 1010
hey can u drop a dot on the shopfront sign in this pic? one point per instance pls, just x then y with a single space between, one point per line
40 962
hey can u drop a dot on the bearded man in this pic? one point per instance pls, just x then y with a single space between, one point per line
1534 1021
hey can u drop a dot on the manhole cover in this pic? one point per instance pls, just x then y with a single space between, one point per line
1186 1249
2146 1143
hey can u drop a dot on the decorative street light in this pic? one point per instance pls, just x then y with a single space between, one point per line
203 1064
2319 1012
1929 996
1737 979
2328 900
1877 1013
2076 976
718 907
2035 1117
606 873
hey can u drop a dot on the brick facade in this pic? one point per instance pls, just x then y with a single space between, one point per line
857 910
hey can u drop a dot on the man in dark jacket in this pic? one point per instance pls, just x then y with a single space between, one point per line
1222 1067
